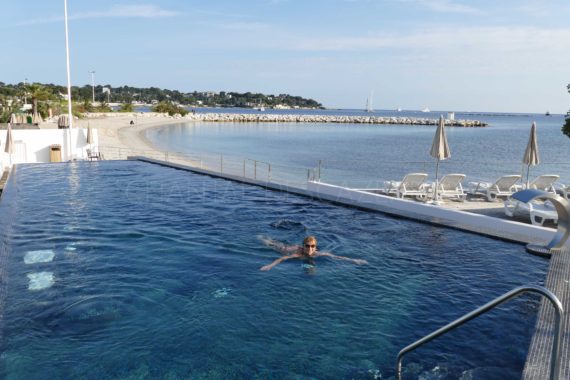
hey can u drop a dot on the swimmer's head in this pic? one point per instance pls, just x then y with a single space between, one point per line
310 245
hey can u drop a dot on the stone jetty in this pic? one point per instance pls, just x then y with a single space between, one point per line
288 118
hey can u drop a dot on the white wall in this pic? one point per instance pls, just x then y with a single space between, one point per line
33 145
481 224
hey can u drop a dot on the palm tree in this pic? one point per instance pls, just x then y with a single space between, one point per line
39 93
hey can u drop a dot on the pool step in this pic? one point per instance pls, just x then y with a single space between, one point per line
39 280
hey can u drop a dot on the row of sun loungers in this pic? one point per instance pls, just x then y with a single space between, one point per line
415 185
451 187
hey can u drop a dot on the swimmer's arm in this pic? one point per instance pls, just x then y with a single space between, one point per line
356 261
278 261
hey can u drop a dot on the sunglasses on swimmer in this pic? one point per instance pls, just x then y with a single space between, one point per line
310 246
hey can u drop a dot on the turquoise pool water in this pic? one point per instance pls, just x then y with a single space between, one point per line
153 273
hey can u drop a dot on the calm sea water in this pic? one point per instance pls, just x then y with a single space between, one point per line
365 155
156 276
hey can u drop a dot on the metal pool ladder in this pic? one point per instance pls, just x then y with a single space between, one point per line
558 326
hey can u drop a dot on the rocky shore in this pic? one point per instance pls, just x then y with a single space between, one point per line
287 118
281 118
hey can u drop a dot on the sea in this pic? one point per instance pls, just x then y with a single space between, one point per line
366 155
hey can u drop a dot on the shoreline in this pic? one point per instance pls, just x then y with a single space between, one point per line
116 132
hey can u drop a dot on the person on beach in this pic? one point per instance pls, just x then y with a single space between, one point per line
307 251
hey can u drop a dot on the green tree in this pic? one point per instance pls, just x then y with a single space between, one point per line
103 107
170 108
566 126
88 106
127 107
38 93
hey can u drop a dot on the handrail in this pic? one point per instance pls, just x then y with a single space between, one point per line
558 326
255 162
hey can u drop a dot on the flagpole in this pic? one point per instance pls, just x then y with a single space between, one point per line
69 110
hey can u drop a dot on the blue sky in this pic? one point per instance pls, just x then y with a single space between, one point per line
508 55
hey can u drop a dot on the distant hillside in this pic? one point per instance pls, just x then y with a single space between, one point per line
127 94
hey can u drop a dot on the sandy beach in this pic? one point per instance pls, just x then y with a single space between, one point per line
118 137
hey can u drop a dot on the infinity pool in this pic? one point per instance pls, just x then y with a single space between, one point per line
128 270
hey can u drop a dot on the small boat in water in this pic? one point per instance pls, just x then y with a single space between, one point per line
369 103
547 113
425 109
399 109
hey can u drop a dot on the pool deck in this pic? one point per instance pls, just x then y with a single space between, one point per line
3 179
537 365
481 217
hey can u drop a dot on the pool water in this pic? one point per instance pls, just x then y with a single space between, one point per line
155 275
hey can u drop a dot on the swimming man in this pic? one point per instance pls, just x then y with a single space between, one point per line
307 251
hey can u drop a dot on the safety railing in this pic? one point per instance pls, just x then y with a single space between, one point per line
251 164
337 172
244 167
555 365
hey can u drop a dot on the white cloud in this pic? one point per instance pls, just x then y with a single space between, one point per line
443 6
144 11
447 6
245 25
117 11
482 38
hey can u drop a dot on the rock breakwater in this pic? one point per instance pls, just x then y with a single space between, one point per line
288 118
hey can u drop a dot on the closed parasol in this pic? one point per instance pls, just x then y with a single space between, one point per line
63 121
439 150
530 157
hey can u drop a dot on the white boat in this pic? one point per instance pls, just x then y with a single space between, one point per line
369 103
399 109
425 109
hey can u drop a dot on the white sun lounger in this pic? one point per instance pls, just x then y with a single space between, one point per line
563 190
413 184
449 186
544 182
503 187
538 212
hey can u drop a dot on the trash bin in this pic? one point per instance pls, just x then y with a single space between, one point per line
29 119
55 153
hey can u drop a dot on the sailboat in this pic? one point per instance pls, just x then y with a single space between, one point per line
426 109
369 103
399 109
